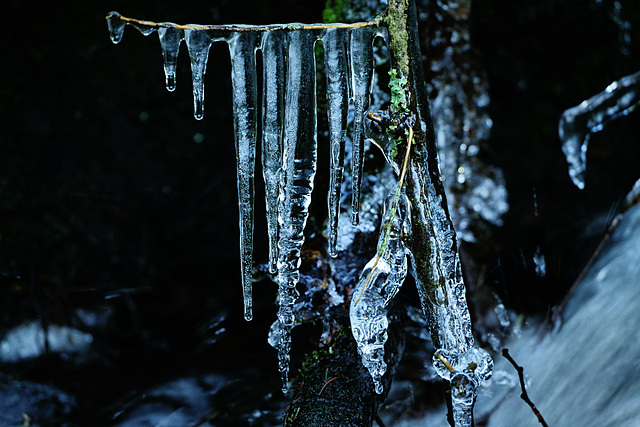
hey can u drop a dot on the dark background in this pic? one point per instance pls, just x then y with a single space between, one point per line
114 198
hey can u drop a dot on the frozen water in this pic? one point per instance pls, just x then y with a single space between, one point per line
335 42
274 48
379 282
361 48
465 371
242 47
590 116
298 172
116 27
198 43
170 39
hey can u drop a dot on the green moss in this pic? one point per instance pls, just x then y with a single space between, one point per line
333 11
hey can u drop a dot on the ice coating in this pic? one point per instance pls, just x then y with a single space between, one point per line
361 50
242 47
198 43
170 39
465 371
379 282
335 43
590 116
298 172
116 27
274 66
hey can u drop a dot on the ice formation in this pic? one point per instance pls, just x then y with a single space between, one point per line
288 128
379 282
242 47
361 73
592 115
335 42
289 155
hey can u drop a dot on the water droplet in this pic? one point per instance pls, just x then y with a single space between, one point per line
116 27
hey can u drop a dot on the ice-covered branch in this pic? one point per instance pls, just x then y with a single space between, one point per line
118 21
592 115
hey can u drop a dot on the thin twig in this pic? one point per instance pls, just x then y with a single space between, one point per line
242 28
325 384
392 214
524 395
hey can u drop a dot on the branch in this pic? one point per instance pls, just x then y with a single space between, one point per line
524 395
241 28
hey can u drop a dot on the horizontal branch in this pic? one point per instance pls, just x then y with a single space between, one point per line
242 28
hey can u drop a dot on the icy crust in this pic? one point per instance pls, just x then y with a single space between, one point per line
379 282
578 123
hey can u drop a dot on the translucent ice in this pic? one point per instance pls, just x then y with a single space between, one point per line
590 116
379 282
274 66
170 39
198 42
298 172
361 74
242 47
335 42
465 371
116 27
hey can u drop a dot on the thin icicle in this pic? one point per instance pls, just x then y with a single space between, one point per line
274 63
379 282
242 47
170 39
198 42
299 168
116 27
590 116
335 45
362 74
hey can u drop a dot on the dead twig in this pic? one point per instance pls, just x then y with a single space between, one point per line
524 395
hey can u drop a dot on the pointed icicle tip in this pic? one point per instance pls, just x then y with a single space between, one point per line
170 39
198 43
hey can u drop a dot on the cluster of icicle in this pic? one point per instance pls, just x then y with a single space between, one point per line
592 115
289 143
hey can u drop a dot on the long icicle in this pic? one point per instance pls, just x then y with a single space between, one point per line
242 47
362 74
198 43
274 66
335 43
299 168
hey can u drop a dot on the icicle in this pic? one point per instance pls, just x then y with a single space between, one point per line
465 372
436 268
336 66
116 27
578 123
274 62
170 39
379 282
242 47
362 73
299 168
198 42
